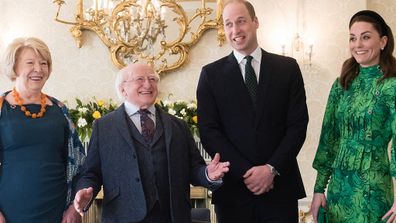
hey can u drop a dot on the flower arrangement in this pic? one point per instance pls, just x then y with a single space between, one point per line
83 115
183 110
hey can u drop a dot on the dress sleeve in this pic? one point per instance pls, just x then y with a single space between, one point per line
329 140
393 127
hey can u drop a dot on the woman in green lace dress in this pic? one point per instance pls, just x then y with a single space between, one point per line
360 120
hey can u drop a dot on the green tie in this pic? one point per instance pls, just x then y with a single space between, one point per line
250 78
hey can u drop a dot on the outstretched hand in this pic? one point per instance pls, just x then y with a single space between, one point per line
217 169
82 199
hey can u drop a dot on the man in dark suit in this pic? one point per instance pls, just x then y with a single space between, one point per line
257 122
144 158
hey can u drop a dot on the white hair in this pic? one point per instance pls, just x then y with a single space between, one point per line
120 78
118 81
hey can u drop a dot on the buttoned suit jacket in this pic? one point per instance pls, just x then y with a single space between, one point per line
273 132
112 162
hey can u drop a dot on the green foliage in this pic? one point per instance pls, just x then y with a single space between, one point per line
84 114
183 110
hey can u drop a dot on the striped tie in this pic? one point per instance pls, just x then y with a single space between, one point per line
250 78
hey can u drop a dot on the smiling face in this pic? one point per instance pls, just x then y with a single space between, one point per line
240 28
139 85
365 43
32 71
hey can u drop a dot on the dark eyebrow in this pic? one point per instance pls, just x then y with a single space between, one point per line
366 32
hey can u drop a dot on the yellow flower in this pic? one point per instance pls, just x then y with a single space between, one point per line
100 103
96 115
195 119
157 101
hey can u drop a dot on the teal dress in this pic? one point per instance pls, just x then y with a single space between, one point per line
33 184
352 155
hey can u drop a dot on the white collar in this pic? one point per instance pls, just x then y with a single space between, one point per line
132 109
256 54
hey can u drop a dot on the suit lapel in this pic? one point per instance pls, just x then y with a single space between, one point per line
235 83
266 74
167 128
122 125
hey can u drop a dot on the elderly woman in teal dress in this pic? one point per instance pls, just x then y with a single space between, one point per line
40 152
360 120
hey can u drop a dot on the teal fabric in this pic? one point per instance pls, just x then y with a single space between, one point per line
75 149
352 154
33 179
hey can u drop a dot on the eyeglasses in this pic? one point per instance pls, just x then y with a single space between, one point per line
141 79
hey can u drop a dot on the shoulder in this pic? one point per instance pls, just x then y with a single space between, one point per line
113 116
275 59
165 116
2 98
219 63
336 90
389 85
57 102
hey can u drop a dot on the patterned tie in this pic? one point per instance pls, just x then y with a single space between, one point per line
147 124
250 78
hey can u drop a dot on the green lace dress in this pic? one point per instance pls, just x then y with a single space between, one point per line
353 150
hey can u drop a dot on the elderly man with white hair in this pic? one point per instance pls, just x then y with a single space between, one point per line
144 158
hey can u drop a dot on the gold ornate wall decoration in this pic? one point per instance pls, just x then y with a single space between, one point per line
158 32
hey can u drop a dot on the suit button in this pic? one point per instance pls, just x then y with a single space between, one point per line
137 179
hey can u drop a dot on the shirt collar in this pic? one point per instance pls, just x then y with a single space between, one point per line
132 109
256 54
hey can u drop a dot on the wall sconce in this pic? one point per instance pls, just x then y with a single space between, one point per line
301 50
159 32
298 46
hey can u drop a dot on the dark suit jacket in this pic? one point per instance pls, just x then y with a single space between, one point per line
112 162
272 133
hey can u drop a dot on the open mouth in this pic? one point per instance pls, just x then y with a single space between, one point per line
36 78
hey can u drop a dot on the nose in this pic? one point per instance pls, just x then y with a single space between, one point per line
146 82
235 28
358 42
37 67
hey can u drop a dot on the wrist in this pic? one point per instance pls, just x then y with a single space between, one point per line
272 170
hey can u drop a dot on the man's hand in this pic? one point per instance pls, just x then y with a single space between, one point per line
259 179
217 169
2 218
82 199
71 216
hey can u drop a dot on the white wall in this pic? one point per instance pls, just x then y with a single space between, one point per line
88 71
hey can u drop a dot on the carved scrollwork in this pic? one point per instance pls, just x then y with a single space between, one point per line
159 32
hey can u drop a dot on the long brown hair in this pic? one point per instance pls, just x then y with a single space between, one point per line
350 68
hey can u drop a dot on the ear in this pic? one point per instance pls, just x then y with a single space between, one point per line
383 42
255 20
122 90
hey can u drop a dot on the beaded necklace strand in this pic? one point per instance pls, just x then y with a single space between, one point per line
19 101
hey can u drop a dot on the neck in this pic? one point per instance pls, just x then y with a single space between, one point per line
29 96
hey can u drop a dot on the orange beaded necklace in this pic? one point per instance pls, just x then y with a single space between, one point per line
19 101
